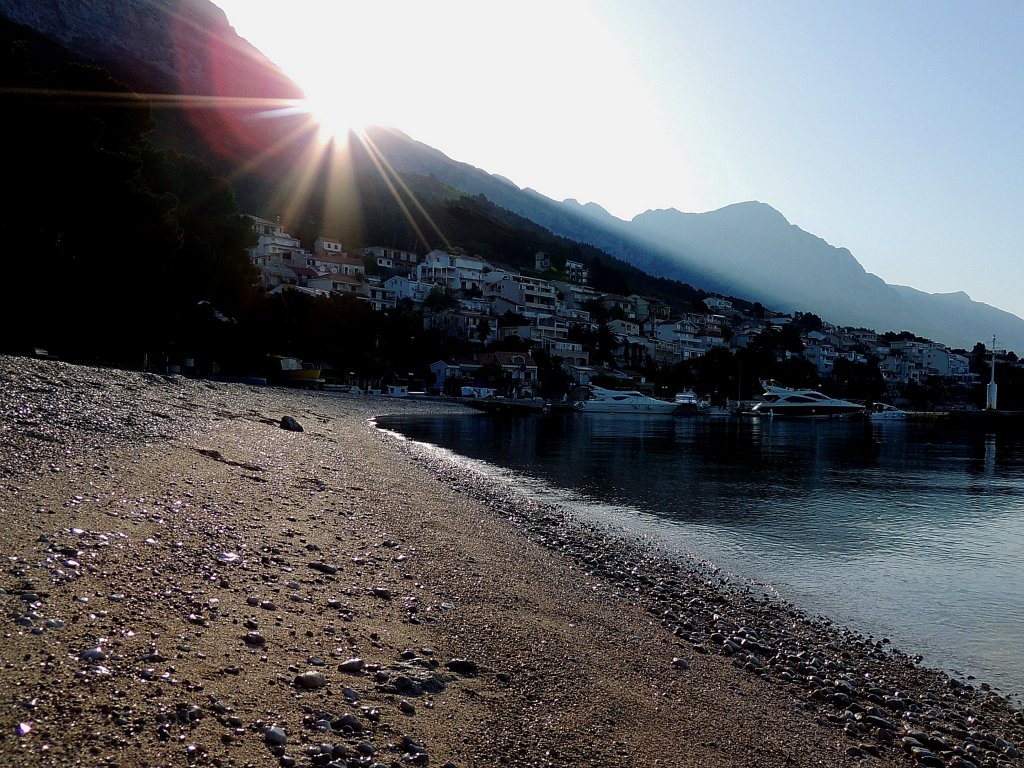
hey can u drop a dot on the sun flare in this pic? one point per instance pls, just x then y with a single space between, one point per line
335 119
494 85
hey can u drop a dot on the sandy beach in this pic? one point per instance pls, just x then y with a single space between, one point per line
188 583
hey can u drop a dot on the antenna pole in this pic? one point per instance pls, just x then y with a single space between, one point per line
990 393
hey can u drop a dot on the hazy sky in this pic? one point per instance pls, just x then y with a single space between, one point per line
895 129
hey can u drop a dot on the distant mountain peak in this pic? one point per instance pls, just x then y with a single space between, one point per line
753 211
506 180
595 208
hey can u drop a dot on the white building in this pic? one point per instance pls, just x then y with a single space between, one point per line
380 298
531 292
681 333
550 333
572 296
406 288
823 356
624 327
325 246
273 242
577 272
460 273
340 284
391 258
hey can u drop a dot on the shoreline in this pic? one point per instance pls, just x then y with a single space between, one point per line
490 629
633 524
559 528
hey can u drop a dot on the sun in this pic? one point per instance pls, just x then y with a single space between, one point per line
350 74
336 116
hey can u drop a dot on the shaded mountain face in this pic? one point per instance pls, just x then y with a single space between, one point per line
168 46
749 250
220 87
752 248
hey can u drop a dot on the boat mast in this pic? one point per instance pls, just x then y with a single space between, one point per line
990 393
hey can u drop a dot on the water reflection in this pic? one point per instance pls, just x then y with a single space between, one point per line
914 532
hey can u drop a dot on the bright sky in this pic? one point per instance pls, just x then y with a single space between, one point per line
894 128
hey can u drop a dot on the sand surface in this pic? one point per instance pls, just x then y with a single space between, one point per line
187 583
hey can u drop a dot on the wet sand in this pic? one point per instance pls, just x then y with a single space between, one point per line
188 583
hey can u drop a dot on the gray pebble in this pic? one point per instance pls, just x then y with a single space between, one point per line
310 681
348 722
352 665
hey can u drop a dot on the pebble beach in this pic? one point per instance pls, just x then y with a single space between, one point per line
213 574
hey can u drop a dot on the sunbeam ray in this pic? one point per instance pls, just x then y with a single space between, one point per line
393 181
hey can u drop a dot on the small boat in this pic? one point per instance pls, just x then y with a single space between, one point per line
802 403
623 401
689 403
886 412
719 412
508 406
290 372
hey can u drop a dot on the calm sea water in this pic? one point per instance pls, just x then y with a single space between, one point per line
900 531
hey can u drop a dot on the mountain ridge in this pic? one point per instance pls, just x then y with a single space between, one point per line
746 249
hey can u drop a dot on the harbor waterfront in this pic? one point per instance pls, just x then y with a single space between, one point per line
910 532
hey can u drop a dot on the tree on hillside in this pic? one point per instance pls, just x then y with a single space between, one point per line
861 381
86 209
132 238
607 277
440 299
805 322
552 380
483 330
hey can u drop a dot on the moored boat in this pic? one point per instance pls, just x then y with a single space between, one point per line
623 401
802 403
290 372
689 403
886 412
719 411
508 406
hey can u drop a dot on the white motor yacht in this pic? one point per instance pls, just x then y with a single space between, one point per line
886 412
619 401
803 403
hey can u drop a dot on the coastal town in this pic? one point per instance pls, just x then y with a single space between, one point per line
504 314
343 452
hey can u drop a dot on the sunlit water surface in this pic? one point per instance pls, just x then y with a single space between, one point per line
902 531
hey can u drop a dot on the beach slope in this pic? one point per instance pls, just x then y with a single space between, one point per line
186 582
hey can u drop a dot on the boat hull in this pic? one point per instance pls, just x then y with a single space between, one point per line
289 372
819 412
507 407
599 408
